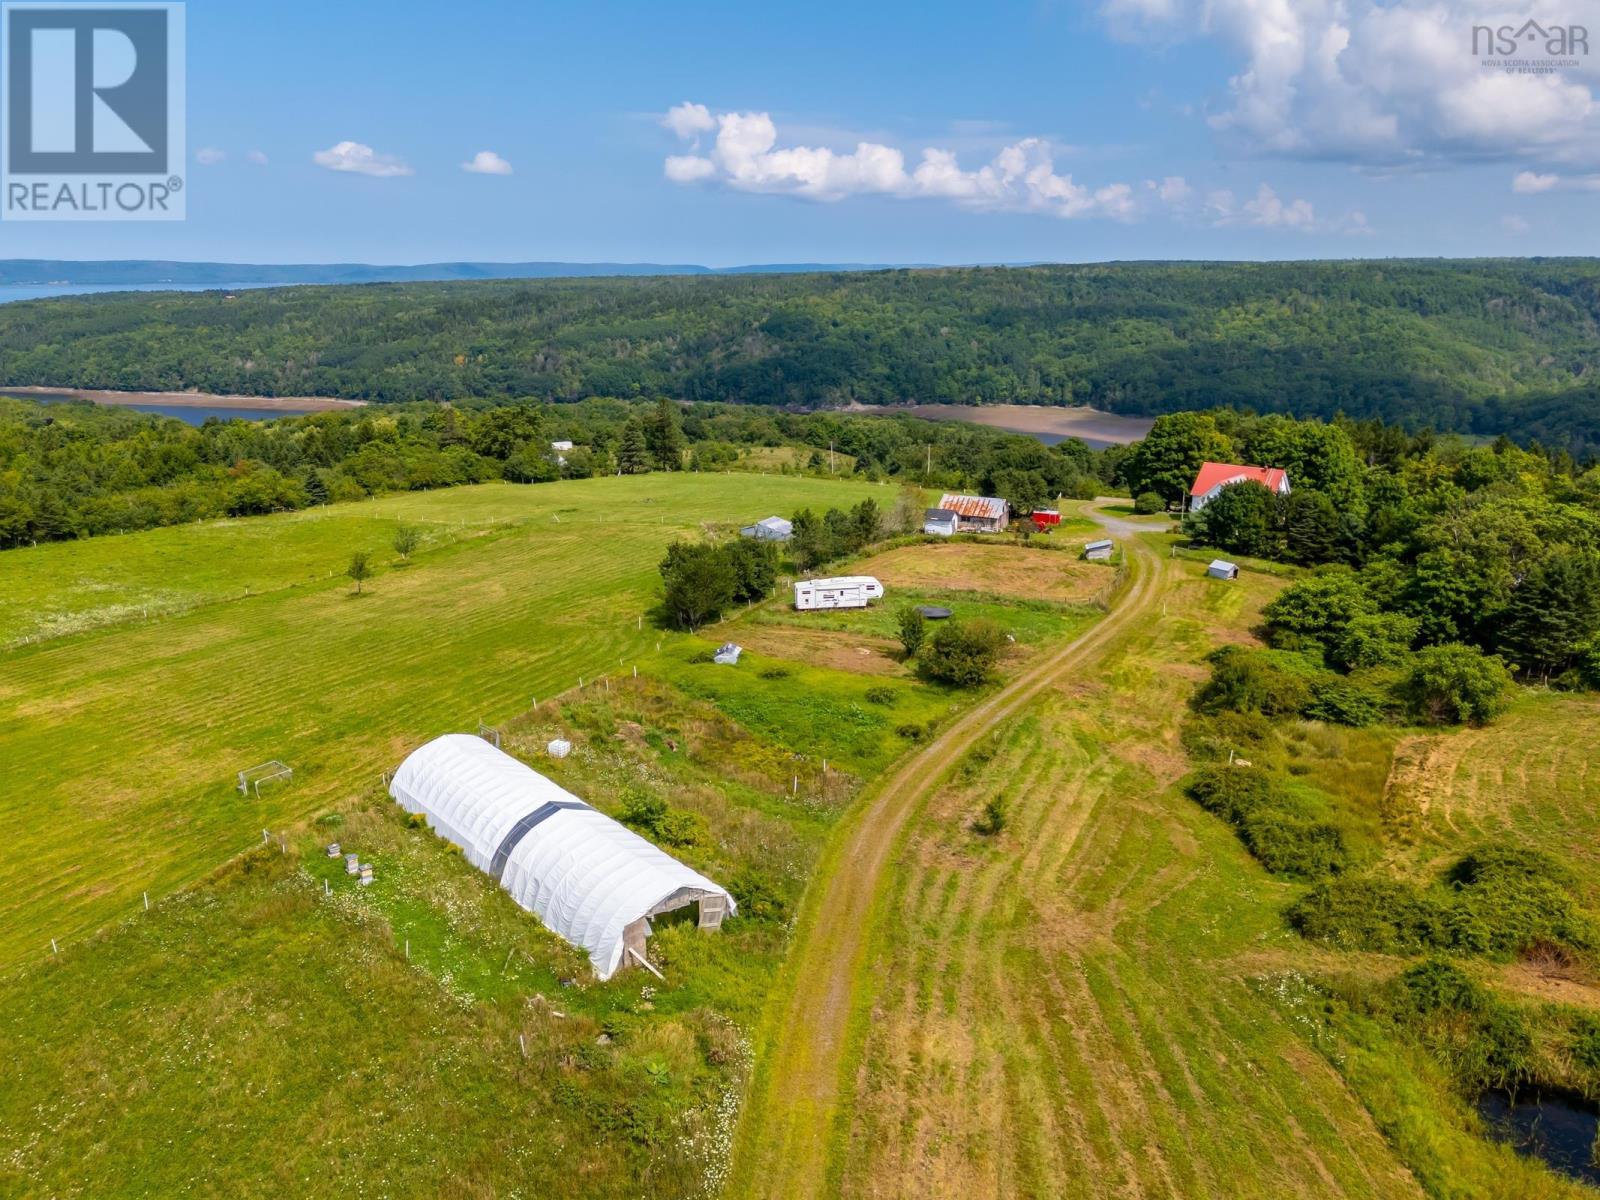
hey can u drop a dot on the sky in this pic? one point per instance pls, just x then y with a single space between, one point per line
724 134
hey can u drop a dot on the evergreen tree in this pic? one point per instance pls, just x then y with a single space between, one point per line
1311 527
633 455
808 544
663 433
1555 614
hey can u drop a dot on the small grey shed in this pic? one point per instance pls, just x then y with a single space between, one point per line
771 529
1100 551
1220 569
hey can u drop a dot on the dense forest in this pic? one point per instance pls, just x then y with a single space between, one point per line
1486 346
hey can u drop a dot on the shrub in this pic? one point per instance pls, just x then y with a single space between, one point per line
911 731
1453 684
757 896
1374 640
774 673
885 696
1495 902
1291 845
1254 681
1347 702
1146 503
1277 825
1212 738
992 821
655 819
913 628
1370 912
963 653
1317 611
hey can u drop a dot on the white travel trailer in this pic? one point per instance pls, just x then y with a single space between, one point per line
846 591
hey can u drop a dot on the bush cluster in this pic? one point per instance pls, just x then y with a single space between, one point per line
1284 826
1496 902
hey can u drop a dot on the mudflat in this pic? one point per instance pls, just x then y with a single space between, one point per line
287 404
1040 420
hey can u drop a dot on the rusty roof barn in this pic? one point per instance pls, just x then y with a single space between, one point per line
977 514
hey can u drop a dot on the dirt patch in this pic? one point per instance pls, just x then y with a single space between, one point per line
825 648
1000 569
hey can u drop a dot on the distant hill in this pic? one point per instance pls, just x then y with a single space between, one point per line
1478 346
143 272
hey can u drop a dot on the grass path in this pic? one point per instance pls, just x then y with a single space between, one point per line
783 1137
1079 1006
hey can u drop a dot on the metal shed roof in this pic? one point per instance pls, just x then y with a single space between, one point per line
986 507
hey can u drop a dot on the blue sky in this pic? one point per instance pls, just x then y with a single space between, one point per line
938 133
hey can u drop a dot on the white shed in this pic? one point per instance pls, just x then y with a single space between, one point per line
1100 551
770 529
940 521
844 591
1220 569
589 879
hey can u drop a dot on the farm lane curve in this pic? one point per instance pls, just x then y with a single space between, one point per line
781 1147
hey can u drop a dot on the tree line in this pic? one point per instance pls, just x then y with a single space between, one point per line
74 470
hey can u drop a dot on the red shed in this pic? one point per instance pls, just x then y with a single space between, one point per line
1044 518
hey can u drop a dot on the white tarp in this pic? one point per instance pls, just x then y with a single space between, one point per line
587 877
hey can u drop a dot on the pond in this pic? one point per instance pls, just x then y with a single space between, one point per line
1557 1127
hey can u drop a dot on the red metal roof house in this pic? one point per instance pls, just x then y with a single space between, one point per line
1213 477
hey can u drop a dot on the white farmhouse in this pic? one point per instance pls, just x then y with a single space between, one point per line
1213 477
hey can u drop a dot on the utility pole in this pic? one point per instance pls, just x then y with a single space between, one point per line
830 457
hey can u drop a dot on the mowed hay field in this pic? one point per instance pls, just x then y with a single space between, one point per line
1532 777
1076 1007
121 744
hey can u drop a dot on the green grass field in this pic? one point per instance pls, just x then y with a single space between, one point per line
122 744
1101 1000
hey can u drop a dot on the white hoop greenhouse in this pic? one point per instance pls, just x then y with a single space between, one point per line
591 880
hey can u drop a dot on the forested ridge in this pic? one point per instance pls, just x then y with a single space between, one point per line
1479 346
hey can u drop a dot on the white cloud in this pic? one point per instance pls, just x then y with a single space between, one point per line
1512 223
360 159
256 158
686 168
1021 178
1528 183
1380 82
689 120
486 162
209 156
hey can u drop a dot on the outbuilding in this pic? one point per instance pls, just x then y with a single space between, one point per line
727 654
1100 551
591 880
977 514
772 529
940 522
1220 569
844 591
